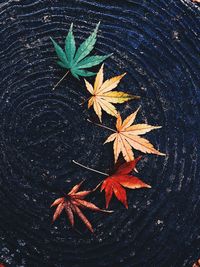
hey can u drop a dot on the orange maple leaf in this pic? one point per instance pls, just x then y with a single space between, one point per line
72 203
127 136
103 97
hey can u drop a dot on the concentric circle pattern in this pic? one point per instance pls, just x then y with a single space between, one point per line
42 131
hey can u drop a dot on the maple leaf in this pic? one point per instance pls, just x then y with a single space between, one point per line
77 60
102 97
120 179
72 203
127 136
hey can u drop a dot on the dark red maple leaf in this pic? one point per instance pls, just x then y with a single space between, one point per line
121 178
72 203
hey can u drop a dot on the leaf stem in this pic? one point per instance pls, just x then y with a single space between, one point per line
60 80
90 169
101 125
85 100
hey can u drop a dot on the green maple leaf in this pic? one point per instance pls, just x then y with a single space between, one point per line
77 60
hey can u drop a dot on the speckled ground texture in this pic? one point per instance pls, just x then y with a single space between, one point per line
157 42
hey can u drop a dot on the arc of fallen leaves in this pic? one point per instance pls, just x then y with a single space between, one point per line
72 203
103 97
125 137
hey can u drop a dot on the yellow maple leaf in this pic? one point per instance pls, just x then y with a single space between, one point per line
102 97
127 136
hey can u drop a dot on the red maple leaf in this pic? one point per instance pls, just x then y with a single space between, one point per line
72 203
120 179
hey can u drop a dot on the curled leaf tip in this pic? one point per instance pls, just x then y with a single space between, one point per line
108 211
109 55
98 23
